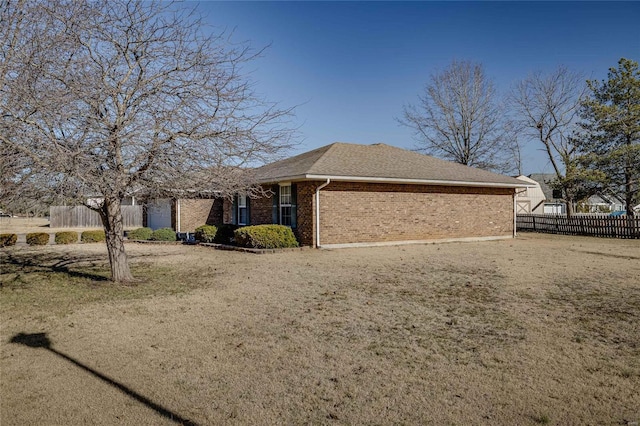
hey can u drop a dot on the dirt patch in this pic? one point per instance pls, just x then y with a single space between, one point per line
541 329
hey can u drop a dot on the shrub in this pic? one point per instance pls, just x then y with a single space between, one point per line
163 234
206 233
7 240
265 236
140 234
66 237
38 239
225 234
95 236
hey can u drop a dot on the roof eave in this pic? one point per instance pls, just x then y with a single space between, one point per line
369 179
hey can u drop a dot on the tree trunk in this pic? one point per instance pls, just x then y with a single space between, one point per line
629 202
570 208
111 215
628 191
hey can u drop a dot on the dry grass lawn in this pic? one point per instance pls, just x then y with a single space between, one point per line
538 330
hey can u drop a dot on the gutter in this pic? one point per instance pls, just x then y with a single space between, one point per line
515 212
367 179
318 211
178 215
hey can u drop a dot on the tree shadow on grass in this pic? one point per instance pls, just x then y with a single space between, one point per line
40 340
53 262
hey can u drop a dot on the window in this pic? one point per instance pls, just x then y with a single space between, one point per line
242 210
285 205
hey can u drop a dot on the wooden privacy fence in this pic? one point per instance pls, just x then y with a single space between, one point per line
595 226
83 217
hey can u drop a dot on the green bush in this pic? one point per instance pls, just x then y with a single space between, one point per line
7 240
206 233
96 236
163 234
265 237
140 234
38 239
225 234
66 237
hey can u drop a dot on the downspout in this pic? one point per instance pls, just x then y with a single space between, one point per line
515 211
178 215
318 211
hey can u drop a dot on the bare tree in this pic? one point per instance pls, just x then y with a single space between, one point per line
515 152
101 98
547 107
459 118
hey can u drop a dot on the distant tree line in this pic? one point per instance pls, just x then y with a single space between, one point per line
590 130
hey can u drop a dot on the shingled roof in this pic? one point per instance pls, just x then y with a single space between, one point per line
545 179
378 163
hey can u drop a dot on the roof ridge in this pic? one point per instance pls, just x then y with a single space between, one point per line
324 156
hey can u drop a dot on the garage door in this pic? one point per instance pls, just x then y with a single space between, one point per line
159 213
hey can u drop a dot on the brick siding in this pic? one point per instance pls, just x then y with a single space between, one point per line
227 206
366 212
197 212
371 212
306 212
261 210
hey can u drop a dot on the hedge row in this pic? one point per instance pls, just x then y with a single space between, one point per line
96 236
38 239
225 234
66 237
140 234
258 236
163 234
265 237
7 240
147 234
206 233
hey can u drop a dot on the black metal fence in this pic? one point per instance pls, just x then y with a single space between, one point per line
591 225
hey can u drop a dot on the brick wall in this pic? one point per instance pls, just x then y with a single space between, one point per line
306 229
261 210
227 206
364 212
197 212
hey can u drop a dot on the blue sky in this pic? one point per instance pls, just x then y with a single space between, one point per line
351 66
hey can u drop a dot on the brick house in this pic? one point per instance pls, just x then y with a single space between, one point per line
182 214
347 194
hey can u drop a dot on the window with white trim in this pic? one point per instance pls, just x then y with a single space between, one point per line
285 204
242 210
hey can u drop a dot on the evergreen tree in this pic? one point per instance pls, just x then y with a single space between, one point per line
612 130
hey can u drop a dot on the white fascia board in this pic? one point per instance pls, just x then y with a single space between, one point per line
395 180
416 181
284 179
